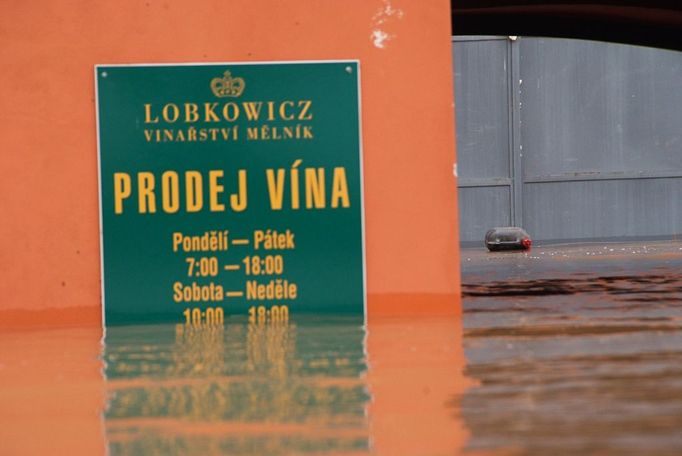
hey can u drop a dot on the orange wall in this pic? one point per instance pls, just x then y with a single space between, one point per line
53 393
49 241
416 378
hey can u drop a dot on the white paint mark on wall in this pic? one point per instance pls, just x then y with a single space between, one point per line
386 14
379 38
454 170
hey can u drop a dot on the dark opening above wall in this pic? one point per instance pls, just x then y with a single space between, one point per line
650 23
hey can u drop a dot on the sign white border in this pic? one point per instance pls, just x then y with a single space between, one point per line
279 62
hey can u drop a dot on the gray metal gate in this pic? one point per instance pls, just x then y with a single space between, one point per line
573 140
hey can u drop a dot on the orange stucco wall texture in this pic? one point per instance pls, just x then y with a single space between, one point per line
49 229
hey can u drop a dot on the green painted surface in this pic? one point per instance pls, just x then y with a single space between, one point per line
176 143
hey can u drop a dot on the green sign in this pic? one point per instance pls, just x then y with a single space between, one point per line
230 189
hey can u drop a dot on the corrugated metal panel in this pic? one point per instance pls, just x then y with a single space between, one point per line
482 108
482 208
483 139
603 209
599 107
596 133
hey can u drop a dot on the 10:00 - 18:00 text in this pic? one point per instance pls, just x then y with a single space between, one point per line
216 315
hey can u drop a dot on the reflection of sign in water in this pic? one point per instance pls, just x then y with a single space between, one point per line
230 189
299 385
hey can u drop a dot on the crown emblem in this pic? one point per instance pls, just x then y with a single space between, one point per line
227 86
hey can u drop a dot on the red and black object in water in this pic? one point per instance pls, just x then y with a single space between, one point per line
507 238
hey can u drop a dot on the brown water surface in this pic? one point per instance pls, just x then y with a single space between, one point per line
578 350
569 350
312 386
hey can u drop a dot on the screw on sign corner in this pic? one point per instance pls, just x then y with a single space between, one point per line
507 238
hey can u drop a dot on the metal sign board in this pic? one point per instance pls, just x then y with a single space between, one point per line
230 189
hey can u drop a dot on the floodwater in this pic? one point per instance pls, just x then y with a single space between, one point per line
236 389
310 386
577 350
562 350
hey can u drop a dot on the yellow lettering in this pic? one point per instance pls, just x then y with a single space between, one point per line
275 188
252 109
314 188
271 110
283 110
305 106
145 193
177 291
148 114
122 190
238 201
194 190
209 113
177 240
214 189
235 111
191 112
170 192
294 184
340 188
170 112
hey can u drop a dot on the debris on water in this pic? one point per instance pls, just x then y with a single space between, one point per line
507 238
